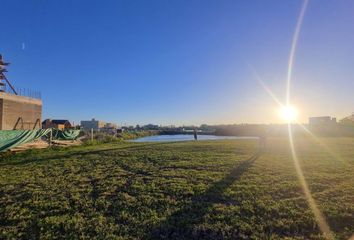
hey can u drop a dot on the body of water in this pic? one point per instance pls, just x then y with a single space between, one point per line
185 137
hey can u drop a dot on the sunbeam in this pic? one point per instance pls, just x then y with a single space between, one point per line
316 139
320 219
266 88
290 113
282 106
293 50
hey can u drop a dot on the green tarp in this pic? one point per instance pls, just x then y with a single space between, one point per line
13 138
65 135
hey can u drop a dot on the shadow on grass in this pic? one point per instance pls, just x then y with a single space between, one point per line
75 153
180 224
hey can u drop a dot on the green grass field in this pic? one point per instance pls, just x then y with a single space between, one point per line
185 190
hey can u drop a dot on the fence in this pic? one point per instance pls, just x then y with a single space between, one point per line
26 92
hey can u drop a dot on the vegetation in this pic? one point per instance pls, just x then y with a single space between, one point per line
127 135
184 190
106 137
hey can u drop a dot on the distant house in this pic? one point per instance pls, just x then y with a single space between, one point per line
92 124
322 120
110 126
55 123
97 125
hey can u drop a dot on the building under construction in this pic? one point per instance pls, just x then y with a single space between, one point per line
19 108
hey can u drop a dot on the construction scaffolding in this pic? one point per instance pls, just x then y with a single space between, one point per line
20 108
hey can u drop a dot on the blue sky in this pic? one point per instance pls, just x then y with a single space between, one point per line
180 62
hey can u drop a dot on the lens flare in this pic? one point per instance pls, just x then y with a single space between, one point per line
293 49
288 113
320 219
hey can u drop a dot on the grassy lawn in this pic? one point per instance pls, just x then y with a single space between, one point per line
185 190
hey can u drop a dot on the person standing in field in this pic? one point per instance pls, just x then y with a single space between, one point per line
262 140
195 135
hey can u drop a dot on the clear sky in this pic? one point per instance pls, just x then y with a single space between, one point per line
179 62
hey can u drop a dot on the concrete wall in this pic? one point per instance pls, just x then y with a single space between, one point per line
13 108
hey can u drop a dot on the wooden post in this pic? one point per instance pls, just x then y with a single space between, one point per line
50 137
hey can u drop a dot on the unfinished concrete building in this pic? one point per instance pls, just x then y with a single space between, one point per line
19 112
16 110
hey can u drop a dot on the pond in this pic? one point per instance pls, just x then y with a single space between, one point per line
185 137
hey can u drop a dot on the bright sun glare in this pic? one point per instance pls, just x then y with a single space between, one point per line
288 113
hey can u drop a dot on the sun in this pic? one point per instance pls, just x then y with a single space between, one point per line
288 113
